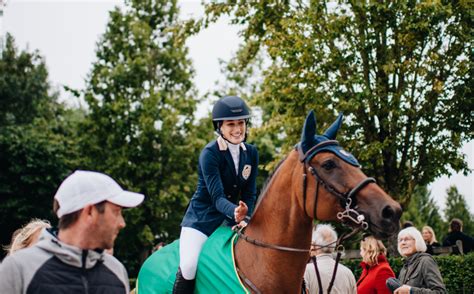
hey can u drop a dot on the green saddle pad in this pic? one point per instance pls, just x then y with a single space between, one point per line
216 272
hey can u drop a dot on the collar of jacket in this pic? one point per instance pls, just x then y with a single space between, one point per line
414 258
68 254
222 143
381 258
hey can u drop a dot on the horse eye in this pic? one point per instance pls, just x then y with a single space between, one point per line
329 164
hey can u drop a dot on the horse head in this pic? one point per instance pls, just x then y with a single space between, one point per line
339 184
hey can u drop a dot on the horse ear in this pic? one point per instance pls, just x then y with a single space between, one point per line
331 132
309 128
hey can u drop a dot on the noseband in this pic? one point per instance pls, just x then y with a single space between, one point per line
347 199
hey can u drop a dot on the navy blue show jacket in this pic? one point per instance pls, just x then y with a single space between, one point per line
219 187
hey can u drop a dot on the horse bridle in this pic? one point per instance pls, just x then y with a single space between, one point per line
347 199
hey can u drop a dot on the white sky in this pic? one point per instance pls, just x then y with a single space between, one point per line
65 33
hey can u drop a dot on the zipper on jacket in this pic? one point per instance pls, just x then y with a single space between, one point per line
84 280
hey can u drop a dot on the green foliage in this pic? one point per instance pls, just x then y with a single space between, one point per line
37 149
400 71
456 207
456 271
139 128
423 211
23 86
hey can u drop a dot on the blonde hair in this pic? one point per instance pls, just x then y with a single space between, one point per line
430 229
373 248
23 237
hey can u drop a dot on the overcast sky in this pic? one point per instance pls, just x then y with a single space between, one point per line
65 32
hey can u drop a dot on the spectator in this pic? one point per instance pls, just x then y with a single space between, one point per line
407 224
420 273
324 240
430 239
27 236
455 234
375 267
89 207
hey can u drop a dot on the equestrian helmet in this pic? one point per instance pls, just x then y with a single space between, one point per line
229 108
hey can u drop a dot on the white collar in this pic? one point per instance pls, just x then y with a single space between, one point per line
223 145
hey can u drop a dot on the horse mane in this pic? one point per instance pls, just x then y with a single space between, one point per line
263 192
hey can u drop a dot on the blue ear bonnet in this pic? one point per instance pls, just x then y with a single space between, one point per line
309 140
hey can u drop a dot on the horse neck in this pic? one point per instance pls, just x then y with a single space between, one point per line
280 220
280 217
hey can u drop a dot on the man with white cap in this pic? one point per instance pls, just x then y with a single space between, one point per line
89 207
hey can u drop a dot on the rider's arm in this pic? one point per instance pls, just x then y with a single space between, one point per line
249 190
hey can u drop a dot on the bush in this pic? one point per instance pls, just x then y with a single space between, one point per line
456 270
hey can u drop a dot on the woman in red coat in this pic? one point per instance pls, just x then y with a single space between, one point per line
375 267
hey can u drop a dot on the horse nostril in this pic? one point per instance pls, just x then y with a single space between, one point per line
388 212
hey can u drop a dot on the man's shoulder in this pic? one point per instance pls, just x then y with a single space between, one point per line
113 261
345 269
115 266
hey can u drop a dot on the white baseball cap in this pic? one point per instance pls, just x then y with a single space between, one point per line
88 187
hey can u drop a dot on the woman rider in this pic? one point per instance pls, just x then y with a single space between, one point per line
227 176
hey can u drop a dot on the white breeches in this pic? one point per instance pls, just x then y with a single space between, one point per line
190 245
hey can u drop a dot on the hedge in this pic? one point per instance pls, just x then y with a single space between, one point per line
457 271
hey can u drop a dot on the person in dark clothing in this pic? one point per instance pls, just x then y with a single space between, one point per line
73 259
455 234
420 272
430 239
226 189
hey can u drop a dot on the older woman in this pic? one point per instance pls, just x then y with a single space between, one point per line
430 239
375 268
420 273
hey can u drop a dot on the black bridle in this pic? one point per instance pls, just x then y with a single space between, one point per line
347 199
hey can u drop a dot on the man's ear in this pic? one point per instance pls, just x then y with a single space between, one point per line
88 211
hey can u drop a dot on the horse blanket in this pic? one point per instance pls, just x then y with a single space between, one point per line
216 272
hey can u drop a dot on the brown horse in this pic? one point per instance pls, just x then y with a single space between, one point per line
317 180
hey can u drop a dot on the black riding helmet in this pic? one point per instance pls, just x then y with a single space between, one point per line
229 108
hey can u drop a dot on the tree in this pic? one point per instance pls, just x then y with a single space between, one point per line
37 148
400 71
139 128
423 211
23 85
456 207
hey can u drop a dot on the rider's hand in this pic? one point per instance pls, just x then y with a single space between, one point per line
240 226
240 212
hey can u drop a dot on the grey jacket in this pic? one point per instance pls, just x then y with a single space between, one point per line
55 267
421 272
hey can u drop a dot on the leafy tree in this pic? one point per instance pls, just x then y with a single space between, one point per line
456 207
423 211
139 128
400 71
36 149
23 85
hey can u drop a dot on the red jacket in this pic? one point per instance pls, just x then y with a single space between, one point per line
372 279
